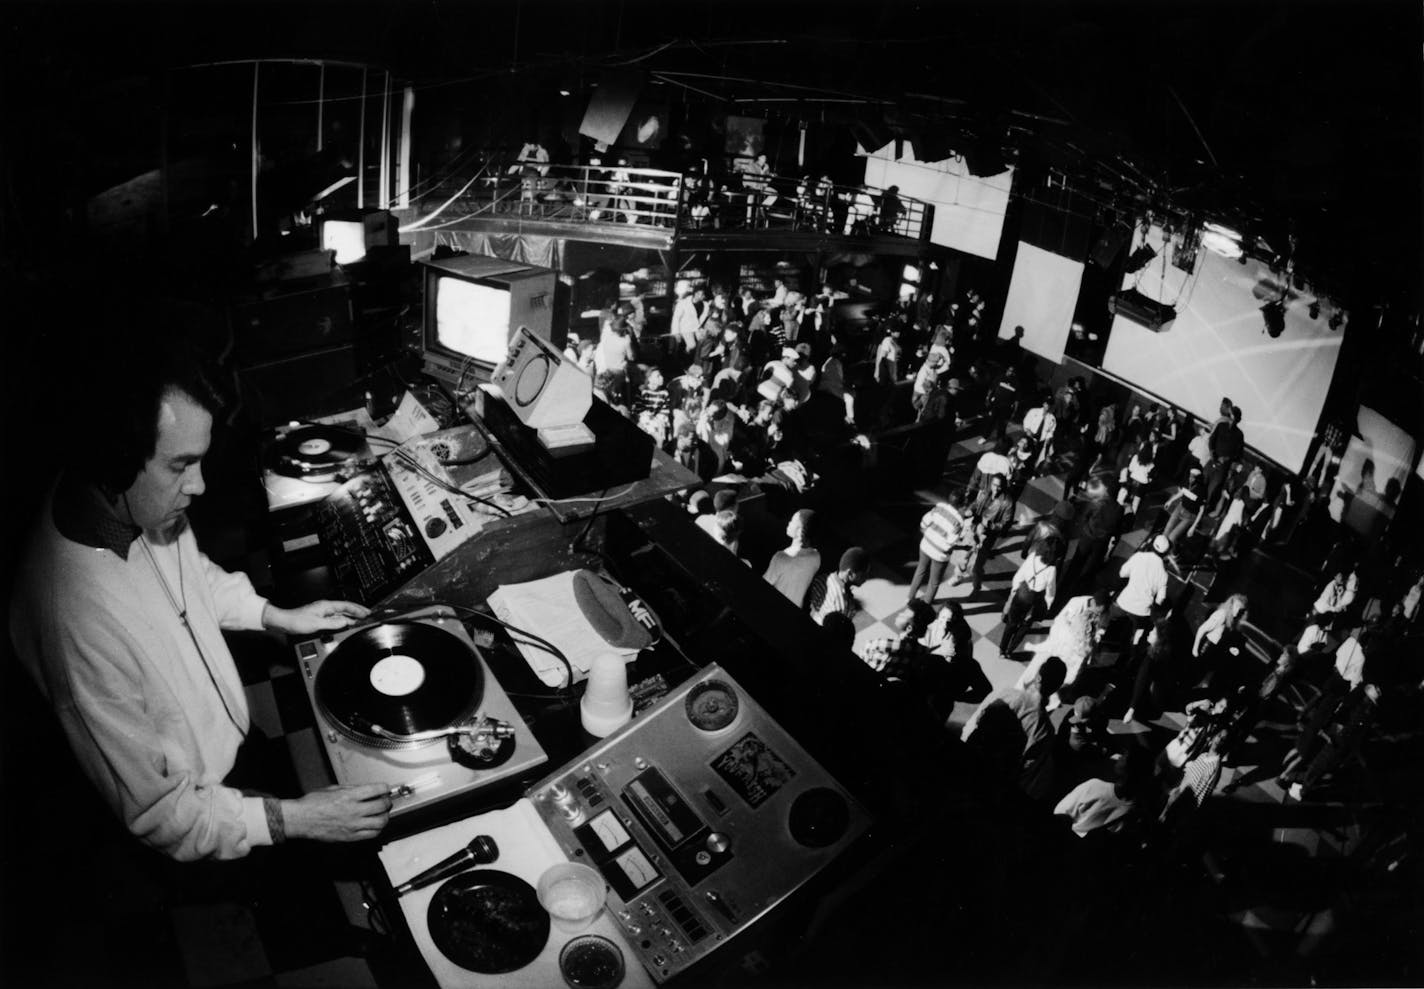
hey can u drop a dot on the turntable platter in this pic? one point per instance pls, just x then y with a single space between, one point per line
315 452
406 677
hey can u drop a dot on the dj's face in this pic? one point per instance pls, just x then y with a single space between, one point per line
173 476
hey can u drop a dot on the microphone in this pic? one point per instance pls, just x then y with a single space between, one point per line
481 851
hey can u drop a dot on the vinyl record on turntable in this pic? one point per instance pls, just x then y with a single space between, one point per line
315 452
406 677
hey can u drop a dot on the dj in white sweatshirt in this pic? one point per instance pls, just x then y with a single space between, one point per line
118 616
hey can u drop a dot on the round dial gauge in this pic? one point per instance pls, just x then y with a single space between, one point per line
712 706
532 378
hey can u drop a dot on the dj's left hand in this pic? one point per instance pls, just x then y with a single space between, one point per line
318 616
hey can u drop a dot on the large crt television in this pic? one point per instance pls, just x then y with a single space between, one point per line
473 305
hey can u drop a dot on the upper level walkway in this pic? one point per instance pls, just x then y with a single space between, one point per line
664 210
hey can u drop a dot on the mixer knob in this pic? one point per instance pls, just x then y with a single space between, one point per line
717 843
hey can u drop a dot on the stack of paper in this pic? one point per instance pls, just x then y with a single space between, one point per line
548 609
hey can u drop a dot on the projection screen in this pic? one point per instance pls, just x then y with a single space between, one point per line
1219 346
1043 293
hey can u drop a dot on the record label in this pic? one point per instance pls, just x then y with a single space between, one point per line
397 675
314 447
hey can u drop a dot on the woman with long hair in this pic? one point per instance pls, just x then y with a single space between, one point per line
1217 649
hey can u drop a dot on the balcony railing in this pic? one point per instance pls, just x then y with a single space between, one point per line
654 198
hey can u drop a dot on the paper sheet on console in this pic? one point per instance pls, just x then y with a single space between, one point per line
547 608
408 421
526 849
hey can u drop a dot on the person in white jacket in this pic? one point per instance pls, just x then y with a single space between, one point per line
118 616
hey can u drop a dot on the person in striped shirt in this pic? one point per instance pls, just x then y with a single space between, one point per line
895 657
943 529
831 592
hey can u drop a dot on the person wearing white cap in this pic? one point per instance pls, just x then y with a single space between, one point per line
1146 586
685 317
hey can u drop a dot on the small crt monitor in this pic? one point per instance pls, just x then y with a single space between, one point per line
346 237
472 319
473 305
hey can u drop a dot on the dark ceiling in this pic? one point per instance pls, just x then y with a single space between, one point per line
1302 118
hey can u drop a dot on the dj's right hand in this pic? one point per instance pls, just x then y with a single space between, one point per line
339 813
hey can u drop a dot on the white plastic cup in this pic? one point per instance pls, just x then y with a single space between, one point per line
606 705
573 894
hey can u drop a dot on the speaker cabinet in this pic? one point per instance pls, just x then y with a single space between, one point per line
1137 307
300 387
1110 245
610 106
282 324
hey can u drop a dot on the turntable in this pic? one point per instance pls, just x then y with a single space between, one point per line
305 462
411 702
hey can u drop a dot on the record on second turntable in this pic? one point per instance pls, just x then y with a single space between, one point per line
405 677
315 451
488 921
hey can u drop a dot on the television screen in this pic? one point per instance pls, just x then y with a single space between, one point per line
346 237
472 319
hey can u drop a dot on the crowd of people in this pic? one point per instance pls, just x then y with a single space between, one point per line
759 392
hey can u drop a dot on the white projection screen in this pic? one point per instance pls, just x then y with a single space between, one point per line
969 209
1043 293
1218 346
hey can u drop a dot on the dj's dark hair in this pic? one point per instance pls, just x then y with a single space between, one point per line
130 375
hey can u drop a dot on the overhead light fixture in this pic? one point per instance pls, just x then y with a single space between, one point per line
1274 313
1222 240
1139 258
563 92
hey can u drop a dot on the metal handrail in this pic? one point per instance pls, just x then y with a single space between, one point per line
776 201
670 201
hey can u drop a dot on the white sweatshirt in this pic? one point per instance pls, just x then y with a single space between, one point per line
104 642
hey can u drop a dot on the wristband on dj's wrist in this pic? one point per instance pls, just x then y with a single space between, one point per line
276 825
